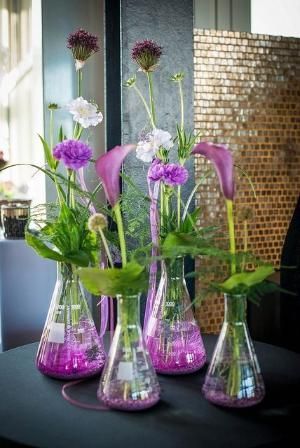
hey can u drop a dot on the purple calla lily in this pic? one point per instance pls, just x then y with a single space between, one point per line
221 157
108 169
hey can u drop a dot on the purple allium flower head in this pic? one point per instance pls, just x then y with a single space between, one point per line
146 54
156 171
175 174
82 44
74 153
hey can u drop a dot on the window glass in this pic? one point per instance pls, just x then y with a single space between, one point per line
276 17
20 103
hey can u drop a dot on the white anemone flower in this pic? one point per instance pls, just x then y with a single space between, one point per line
153 141
84 113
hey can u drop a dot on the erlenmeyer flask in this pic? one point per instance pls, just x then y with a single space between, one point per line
171 333
128 380
70 347
233 378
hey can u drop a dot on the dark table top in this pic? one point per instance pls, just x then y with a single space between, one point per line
33 412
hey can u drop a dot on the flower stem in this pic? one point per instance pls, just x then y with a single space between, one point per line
121 234
51 129
145 104
69 187
79 73
106 248
149 77
162 206
229 208
245 243
181 105
72 198
178 204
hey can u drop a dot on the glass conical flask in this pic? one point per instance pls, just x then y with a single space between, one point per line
128 380
70 347
171 333
233 378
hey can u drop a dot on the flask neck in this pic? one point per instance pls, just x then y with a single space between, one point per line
66 272
235 308
129 310
174 270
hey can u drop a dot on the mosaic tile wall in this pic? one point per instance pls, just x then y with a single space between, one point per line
247 94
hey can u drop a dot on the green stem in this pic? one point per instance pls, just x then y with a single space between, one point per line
145 104
162 205
234 379
167 208
51 129
79 73
178 205
106 248
72 197
121 234
151 97
229 208
69 187
245 243
181 105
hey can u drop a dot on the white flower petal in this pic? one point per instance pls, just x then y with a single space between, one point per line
145 151
85 113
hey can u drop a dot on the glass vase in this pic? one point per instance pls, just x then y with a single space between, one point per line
70 347
233 378
128 381
172 334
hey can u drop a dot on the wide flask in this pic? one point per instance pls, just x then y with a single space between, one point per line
70 347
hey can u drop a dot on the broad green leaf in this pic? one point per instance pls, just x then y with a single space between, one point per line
131 279
179 244
41 248
248 278
79 258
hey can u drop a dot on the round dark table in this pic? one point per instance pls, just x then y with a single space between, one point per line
33 412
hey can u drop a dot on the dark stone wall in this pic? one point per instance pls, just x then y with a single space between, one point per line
170 24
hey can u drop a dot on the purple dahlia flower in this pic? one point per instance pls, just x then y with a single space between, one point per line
175 174
146 54
156 171
74 153
82 44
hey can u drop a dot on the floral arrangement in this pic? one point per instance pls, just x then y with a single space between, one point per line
71 232
131 277
173 228
176 233
240 280
63 235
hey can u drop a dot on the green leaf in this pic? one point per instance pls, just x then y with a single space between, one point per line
80 258
189 223
41 248
131 279
61 135
180 244
47 172
48 154
247 279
